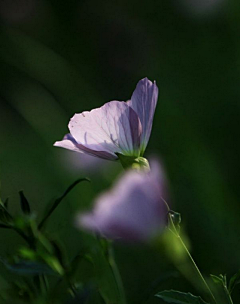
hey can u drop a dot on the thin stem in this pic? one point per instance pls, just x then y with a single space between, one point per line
116 274
197 269
230 301
58 201
176 233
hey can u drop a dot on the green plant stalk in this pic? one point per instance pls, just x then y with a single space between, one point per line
58 201
116 274
198 272
230 301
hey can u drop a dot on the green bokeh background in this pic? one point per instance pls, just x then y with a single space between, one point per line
61 57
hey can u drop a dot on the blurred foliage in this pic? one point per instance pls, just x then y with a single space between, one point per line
62 57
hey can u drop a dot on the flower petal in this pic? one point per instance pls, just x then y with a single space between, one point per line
70 143
67 143
143 102
113 128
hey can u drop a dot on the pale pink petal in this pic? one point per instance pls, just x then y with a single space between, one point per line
70 143
113 128
116 127
143 102
67 143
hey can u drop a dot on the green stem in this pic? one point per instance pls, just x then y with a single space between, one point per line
58 201
116 274
230 301
197 270
176 233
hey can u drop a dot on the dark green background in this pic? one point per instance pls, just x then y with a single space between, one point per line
62 57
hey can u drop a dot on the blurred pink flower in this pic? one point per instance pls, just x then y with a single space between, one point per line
116 127
133 210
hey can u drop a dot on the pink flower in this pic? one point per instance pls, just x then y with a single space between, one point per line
133 210
116 127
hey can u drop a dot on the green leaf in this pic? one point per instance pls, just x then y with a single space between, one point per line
54 264
107 286
177 297
27 253
24 203
235 280
58 200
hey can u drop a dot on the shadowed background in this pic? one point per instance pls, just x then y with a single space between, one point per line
61 57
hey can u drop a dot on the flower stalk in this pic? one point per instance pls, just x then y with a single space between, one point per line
172 228
116 273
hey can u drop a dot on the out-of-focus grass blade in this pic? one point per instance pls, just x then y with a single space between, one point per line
24 203
58 200
105 278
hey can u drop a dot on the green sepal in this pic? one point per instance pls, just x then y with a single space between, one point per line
133 162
